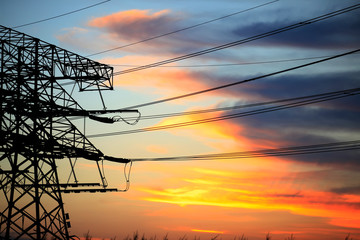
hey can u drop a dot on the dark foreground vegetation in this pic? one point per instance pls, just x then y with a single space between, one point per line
137 236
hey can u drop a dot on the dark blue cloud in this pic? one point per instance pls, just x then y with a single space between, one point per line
311 124
338 32
303 126
283 85
295 195
307 126
347 190
306 84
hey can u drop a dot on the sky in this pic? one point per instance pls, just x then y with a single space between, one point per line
312 196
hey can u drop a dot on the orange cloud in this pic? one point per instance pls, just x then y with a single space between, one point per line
126 17
134 24
164 81
137 26
207 231
224 136
269 195
170 80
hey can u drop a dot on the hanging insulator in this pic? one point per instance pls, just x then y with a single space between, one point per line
101 119
116 159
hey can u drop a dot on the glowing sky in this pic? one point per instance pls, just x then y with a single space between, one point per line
311 196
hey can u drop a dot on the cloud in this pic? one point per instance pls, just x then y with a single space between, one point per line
318 123
308 125
229 193
288 85
287 195
170 33
331 121
223 136
163 82
337 32
347 190
208 231
135 24
128 27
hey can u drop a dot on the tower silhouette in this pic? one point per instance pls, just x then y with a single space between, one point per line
36 132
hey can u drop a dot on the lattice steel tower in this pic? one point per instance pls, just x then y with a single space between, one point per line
36 131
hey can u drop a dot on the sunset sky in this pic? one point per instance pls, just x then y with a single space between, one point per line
313 196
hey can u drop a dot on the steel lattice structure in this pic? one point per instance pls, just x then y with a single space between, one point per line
36 131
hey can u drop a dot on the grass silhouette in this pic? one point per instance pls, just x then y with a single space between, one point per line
136 236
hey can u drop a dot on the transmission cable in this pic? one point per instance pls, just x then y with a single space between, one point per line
286 151
61 15
228 64
221 65
302 102
134 120
348 92
242 81
235 43
180 30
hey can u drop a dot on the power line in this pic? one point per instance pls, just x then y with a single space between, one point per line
352 91
61 15
349 92
183 29
220 65
235 43
301 101
278 152
224 65
242 81
228 64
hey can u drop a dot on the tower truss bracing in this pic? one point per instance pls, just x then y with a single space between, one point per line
36 132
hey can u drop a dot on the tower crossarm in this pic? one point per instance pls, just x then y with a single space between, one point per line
52 62
24 144
23 104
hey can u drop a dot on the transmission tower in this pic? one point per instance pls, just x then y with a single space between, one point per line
36 132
